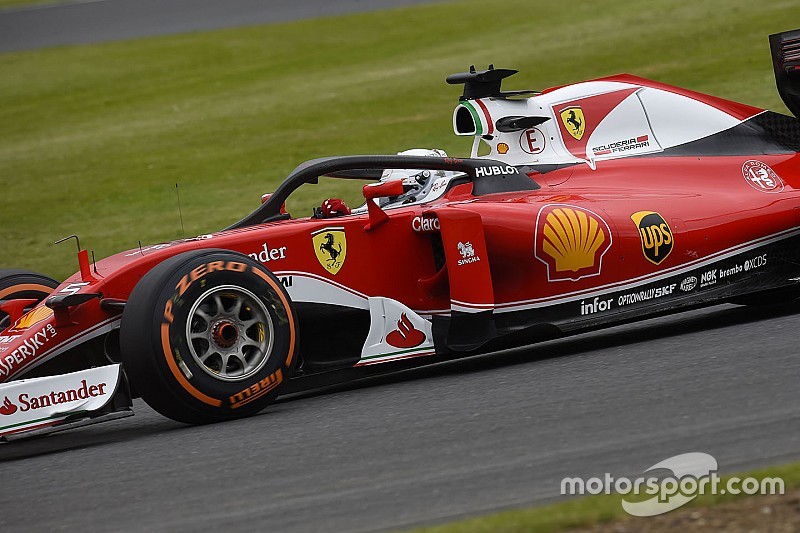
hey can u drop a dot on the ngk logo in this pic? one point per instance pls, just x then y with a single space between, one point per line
708 278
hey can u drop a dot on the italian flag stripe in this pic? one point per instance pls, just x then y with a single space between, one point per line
475 116
38 423
394 353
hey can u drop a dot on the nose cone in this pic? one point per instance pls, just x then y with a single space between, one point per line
24 343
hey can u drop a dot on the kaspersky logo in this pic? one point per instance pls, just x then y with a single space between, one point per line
7 407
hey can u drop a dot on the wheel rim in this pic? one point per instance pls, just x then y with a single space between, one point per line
230 333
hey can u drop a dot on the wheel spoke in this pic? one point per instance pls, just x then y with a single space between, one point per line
220 307
223 369
230 343
237 307
202 314
250 342
247 324
242 360
208 353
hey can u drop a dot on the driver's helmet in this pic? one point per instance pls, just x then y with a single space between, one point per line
418 183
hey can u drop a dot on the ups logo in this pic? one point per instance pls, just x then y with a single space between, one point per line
655 234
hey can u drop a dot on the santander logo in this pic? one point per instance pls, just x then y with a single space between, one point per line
406 335
27 402
8 408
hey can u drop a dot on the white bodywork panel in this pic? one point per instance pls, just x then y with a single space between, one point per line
395 332
33 403
660 118
310 288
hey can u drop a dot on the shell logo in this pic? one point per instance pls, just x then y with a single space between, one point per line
33 317
571 241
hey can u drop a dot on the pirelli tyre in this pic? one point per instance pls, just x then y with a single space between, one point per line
22 284
208 336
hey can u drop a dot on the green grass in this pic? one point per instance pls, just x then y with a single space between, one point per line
18 3
94 138
588 511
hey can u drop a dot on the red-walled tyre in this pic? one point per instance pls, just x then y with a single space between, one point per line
22 284
208 336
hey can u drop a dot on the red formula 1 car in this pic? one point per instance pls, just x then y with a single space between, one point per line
599 203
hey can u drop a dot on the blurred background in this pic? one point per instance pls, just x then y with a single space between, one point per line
94 136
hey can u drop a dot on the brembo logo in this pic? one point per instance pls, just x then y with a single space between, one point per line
494 171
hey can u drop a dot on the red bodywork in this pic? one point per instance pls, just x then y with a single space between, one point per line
568 254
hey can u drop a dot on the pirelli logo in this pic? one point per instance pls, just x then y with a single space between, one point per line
256 390
207 268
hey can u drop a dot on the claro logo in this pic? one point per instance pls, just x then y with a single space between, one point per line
26 402
425 225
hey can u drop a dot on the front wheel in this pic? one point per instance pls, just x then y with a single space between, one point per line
22 284
208 336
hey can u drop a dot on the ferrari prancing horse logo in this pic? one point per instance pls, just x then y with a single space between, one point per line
573 120
330 246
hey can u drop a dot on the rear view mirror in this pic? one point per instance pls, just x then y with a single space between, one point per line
384 189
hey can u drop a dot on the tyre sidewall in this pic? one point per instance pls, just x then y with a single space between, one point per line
21 284
177 288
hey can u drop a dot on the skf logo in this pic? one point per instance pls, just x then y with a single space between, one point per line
573 120
406 335
655 234
571 241
8 408
330 246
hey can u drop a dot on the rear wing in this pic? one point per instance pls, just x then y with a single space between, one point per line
785 49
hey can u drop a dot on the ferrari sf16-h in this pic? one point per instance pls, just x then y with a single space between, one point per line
598 203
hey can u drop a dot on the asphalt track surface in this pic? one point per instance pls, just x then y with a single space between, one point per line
96 21
419 447
436 443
